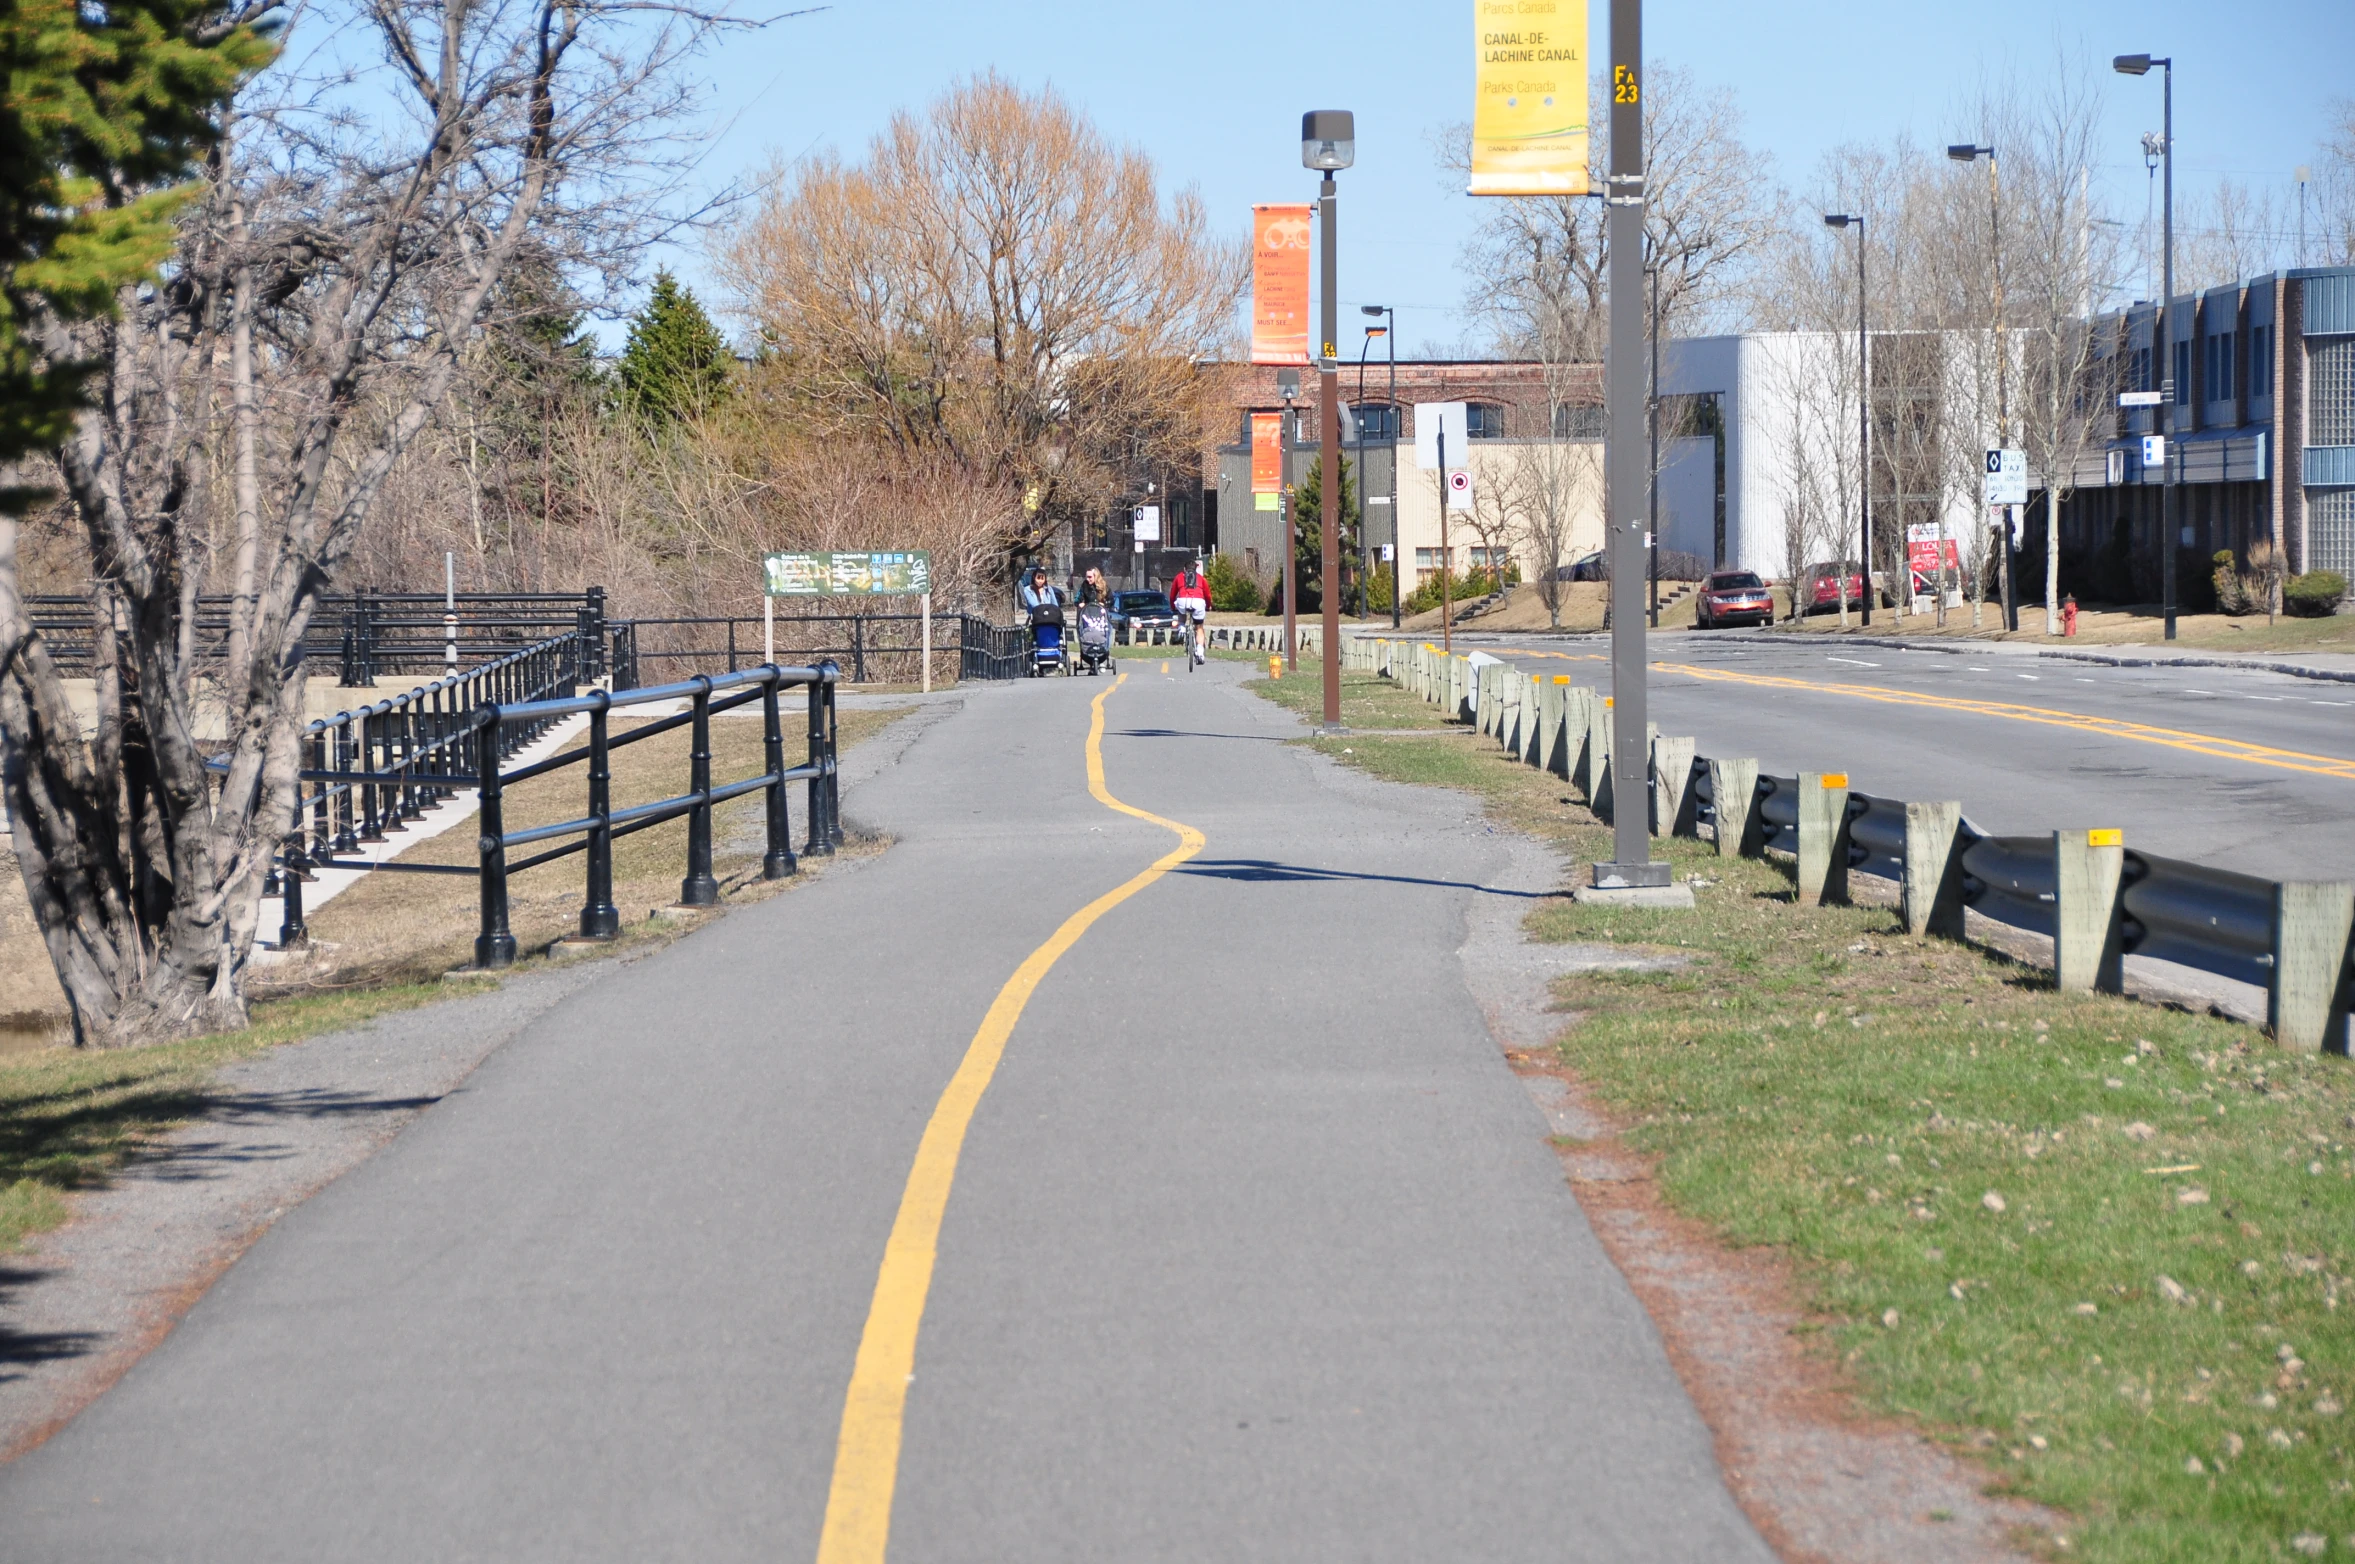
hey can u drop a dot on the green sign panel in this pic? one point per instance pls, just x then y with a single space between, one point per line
845 575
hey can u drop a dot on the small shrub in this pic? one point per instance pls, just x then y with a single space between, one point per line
2315 593
2232 596
1232 588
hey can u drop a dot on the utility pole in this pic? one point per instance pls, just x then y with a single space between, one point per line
2169 540
1652 487
1623 464
1328 143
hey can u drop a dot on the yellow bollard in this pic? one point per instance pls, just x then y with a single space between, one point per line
1275 667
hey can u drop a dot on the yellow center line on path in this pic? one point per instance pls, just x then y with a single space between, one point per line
866 1456
2108 727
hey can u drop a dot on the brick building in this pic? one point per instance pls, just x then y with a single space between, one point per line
2263 376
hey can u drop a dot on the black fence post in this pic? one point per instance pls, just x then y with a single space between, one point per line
858 648
780 861
371 793
346 806
833 748
821 840
293 932
494 946
699 889
600 919
322 827
731 646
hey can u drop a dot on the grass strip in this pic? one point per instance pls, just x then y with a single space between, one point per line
2100 1246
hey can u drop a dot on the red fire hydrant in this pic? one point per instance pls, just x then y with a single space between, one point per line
2068 616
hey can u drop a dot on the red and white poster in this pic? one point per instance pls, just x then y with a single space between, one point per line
1279 284
1928 550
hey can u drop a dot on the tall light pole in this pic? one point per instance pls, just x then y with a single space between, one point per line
1652 488
1288 434
1864 421
2140 65
1365 542
1967 153
1328 143
1623 463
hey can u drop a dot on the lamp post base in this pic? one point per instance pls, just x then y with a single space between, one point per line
1629 876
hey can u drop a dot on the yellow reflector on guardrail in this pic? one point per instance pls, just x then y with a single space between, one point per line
1835 779
2105 838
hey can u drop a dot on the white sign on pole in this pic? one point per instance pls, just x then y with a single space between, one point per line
1430 419
1459 489
1148 523
2154 450
1389 552
2138 399
2007 477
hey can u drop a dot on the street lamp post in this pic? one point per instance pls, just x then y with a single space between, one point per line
2140 65
1328 143
1968 153
1389 330
1287 435
1652 489
1864 422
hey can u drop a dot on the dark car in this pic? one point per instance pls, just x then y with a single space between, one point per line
1732 597
1591 567
1134 611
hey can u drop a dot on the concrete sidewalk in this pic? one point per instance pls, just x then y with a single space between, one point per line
1257 1249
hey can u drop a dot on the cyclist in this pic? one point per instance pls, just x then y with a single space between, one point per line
1189 594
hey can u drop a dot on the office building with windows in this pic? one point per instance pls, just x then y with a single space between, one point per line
2262 380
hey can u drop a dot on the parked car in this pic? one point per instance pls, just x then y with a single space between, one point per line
1590 567
1819 587
1134 611
1732 597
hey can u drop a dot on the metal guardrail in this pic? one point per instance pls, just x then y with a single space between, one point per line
987 651
369 634
866 646
370 770
2291 938
595 833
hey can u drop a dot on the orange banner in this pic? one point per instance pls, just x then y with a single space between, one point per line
1279 284
1267 453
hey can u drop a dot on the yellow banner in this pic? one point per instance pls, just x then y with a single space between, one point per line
1529 102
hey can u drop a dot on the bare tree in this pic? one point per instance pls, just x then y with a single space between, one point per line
1538 260
998 285
2336 212
1559 483
350 246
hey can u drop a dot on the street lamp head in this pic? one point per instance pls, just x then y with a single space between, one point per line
1287 383
1328 139
1969 152
2132 64
1838 219
1377 331
1373 309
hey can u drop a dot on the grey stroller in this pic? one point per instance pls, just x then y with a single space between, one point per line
1095 637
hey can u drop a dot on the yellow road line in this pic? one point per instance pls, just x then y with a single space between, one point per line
866 1457
2108 727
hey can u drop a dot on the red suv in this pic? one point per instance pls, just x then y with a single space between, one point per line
1819 589
1732 597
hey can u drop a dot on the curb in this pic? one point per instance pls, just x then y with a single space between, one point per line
2057 654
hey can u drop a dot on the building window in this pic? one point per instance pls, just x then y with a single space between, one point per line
2139 377
2183 374
2330 530
2330 396
1376 421
1484 421
2260 361
1577 422
2219 367
1427 561
1491 558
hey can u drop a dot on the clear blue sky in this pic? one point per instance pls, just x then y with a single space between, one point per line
1213 90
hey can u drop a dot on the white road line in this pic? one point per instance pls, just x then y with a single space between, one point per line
2195 692
2326 703
2024 676
1982 670
2269 697
1858 661
2088 681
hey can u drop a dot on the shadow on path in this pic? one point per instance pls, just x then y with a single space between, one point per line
1261 871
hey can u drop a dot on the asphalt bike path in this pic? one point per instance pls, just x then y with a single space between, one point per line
2242 769
1249 1245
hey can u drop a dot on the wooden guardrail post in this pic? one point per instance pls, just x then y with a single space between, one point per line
1823 837
2088 950
1933 870
1597 757
1733 789
1672 785
1554 743
2306 1001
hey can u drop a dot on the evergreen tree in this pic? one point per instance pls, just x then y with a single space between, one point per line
1308 532
677 362
105 103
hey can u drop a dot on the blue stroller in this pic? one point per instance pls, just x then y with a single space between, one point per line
1046 641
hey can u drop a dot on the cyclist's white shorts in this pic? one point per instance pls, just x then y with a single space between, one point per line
1191 608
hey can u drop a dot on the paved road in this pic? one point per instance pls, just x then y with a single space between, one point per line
1256 1249
2241 769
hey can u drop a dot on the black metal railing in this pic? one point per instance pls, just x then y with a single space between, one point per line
594 833
370 634
369 771
987 651
867 647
